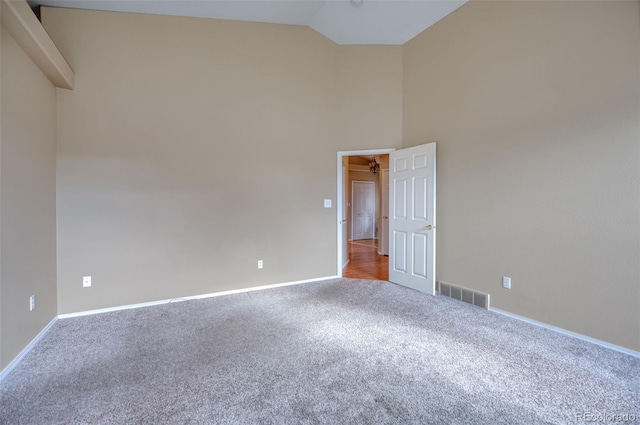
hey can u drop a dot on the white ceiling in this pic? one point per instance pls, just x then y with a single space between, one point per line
374 22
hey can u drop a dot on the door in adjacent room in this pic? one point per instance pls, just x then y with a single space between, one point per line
383 248
363 206
412 217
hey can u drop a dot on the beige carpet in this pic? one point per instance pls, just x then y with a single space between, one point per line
335 352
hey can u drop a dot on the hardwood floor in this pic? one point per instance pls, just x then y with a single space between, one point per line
366 263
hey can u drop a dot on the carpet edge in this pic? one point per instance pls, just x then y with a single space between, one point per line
13 363
566 332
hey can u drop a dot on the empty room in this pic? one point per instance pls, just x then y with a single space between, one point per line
176 211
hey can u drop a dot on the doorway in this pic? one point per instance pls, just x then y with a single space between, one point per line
360 226
412 214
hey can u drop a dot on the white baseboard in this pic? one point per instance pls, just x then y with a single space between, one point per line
569 333
192 297
345 264
7 370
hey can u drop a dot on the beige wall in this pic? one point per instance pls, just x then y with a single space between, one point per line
27 200
535 108
369 96
369 92
191 148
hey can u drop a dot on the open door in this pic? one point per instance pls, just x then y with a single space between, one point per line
383 248
412 217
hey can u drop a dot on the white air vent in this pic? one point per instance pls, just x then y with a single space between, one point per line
470 296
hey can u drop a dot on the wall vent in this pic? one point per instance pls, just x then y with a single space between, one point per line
467 295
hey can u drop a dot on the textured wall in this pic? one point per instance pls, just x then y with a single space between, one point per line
535 108
369 90
27 200
191 148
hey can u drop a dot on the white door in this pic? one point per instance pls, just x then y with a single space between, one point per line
343 222
412 219
363 205
384 213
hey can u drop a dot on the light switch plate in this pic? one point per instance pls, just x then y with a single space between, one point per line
327 203
506 282
86 281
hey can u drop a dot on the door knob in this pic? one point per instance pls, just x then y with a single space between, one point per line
429 227
384 217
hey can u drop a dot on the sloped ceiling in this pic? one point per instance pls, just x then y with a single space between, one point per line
343 21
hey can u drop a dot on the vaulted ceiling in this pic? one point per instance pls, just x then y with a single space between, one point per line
343 21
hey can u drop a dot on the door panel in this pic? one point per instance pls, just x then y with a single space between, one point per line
400 164
400 198
420 161
412 181
400 252
420 242
420 201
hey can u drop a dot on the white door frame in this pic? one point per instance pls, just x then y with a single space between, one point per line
339 206
383 237
342 222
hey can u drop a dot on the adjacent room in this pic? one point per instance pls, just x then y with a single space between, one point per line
177 218
365 207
